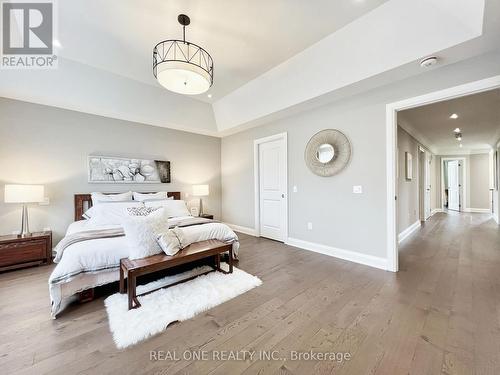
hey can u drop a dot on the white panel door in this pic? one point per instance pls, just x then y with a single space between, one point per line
453 186
427 186
272 189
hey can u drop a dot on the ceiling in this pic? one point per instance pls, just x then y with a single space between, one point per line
272 58
478 120
245 37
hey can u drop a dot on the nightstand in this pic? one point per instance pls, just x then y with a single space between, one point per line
207 216
18 252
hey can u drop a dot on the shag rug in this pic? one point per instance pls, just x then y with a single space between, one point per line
177 303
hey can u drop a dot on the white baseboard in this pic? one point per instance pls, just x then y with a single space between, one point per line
478 210
245 230
352 256
436 210
412 228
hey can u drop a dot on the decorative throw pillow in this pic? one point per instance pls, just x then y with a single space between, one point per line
141 211
141 233
172 241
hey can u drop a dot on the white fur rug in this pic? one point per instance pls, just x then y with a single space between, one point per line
177 303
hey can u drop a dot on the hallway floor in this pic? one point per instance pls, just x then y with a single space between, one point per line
451 270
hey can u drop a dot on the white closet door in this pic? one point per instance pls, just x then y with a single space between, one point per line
272 189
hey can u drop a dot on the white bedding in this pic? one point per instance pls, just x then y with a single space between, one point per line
89 263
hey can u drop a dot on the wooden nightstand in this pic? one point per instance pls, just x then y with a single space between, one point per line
207 216
17 252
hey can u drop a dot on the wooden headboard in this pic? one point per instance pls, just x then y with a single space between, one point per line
84 201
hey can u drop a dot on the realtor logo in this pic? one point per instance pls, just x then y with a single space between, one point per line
27 35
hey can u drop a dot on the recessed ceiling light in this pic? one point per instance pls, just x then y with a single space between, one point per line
457 130
209 95
454 116
459 138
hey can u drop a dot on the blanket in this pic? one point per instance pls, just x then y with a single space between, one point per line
94 234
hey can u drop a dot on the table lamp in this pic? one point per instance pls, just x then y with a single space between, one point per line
200 191
24 194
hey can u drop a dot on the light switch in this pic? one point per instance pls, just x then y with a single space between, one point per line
310 226
357 189
295 189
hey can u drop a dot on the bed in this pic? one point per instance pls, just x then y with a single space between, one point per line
87 264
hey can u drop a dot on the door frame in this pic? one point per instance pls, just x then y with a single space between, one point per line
422 188
461 192
391 146
256 143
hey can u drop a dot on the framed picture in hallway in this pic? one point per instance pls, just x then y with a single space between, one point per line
408 166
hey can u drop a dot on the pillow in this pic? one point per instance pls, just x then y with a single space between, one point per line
171 241
141 233
141 211
100 197
92 210
175 208
110 213
143 196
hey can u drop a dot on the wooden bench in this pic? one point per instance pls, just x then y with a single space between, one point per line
131 269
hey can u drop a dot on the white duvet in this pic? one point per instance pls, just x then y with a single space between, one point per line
101 258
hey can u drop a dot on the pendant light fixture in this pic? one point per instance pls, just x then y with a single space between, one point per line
183 67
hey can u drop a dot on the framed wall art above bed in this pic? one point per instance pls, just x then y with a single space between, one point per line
116 170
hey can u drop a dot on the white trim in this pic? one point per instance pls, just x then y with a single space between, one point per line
478 210
256 144
352 256
408 231
463 193
495 217
241 229
436 210
391 142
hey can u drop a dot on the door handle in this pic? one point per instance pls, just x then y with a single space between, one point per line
282 195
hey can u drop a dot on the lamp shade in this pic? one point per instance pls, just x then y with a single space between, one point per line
24 193
200 190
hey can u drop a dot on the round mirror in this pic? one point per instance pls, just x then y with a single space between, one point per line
325 153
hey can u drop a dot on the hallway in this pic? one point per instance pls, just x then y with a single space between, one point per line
451 269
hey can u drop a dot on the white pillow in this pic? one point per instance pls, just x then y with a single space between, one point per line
100 197
110 213
175 208
143 196
141 233
172 241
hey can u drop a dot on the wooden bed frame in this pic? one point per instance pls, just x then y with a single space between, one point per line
84 201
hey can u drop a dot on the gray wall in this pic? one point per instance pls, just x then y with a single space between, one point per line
340 218
49 146
480 196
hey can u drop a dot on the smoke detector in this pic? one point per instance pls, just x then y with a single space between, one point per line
428 61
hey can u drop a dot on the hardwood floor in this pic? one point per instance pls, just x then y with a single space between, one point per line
439 314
